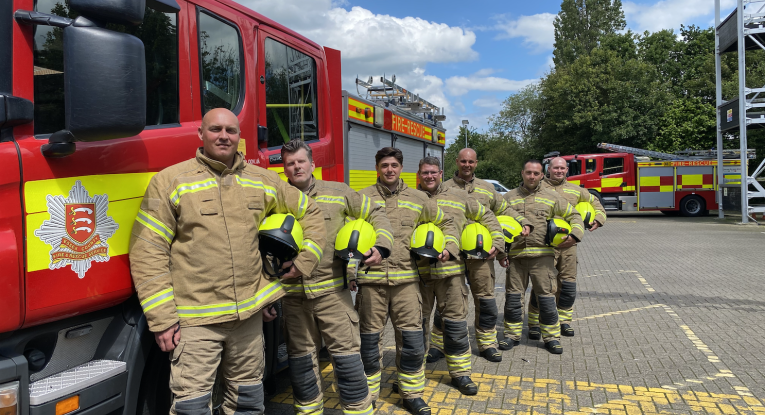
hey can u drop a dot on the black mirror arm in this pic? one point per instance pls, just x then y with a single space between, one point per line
41 19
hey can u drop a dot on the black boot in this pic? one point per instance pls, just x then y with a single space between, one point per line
434 355
394 387
554 347
491 354
416 406
566 330
465 385
508 344
535 333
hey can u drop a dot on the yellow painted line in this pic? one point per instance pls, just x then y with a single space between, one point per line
615 313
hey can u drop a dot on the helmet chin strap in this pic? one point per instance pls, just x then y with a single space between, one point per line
276 263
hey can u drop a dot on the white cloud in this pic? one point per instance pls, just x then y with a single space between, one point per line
537 30
461 85
489 102
670 14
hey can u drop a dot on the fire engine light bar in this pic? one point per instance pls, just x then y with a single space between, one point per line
9 398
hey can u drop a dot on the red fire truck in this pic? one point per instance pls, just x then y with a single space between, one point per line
95 98
629 180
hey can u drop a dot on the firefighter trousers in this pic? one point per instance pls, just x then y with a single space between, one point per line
233 350
481 277
540 271
565 295
450 297
330 318
403 304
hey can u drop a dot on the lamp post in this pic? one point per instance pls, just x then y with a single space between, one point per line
465 123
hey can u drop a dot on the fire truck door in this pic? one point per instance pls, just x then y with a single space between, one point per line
363 143
11 237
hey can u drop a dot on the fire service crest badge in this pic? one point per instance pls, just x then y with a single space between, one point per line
78 230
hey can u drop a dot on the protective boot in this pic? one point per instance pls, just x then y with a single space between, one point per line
554 347
434 355
566 330
465 385
535 333
416 406
508 344
492 355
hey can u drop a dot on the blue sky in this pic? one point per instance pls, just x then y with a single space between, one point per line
467 56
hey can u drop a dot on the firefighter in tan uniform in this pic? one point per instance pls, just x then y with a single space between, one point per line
565 258
196 265
445 282
480 271
530 259
392 289
319 306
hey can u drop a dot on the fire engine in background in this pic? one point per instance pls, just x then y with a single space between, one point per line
95 98
628 180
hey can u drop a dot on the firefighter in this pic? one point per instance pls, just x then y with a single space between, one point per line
565 258
480 272
392 289
445 282
319 307
531 259
197 267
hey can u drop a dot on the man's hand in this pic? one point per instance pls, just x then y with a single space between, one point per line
269 313
353 286
292 273
504 262
595 225
168 339
493 253
568 242
374 257
526 230
444 256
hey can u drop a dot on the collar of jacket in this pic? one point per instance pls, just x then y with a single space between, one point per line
438 191
525 192
385 192
554 182
310 187
216 165
459 180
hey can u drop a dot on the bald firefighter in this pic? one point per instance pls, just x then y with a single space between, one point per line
197 268
480 272
392 288
319 306
565 258
445 282
530 259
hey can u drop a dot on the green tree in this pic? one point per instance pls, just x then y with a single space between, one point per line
688 123
581 24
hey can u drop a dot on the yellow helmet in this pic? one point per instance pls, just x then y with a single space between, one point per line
511 229
557 229
476 241
427 241
355 238
588 213
281 238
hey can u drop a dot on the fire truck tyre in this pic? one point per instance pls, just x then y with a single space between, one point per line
154 397
692 206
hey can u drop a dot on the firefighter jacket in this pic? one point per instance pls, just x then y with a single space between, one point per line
537 207
338 202
405 208
461 207
574 195
194 247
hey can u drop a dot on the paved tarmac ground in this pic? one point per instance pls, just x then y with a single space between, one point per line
669 319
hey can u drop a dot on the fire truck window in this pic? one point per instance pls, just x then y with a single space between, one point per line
613 166
574 168
290 94
221 64
158 33
591 166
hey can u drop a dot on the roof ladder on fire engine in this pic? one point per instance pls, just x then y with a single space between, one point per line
678 155
638 151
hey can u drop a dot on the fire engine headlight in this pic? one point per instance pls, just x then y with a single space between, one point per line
9 398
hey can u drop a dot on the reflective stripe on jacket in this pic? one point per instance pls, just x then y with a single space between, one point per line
575 194
194 247
338 202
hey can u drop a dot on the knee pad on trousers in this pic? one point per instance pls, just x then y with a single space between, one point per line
513 308
548 312
351 381
370 352
533 300
304 382
567 294
437 321
487 317
412 350
194 406
249 400
456 340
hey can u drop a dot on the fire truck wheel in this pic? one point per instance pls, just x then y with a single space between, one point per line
692 206
154 395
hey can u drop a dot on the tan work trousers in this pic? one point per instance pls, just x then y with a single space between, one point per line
235 346
565 295
481 278
540 271
450 297
403 304
330 318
